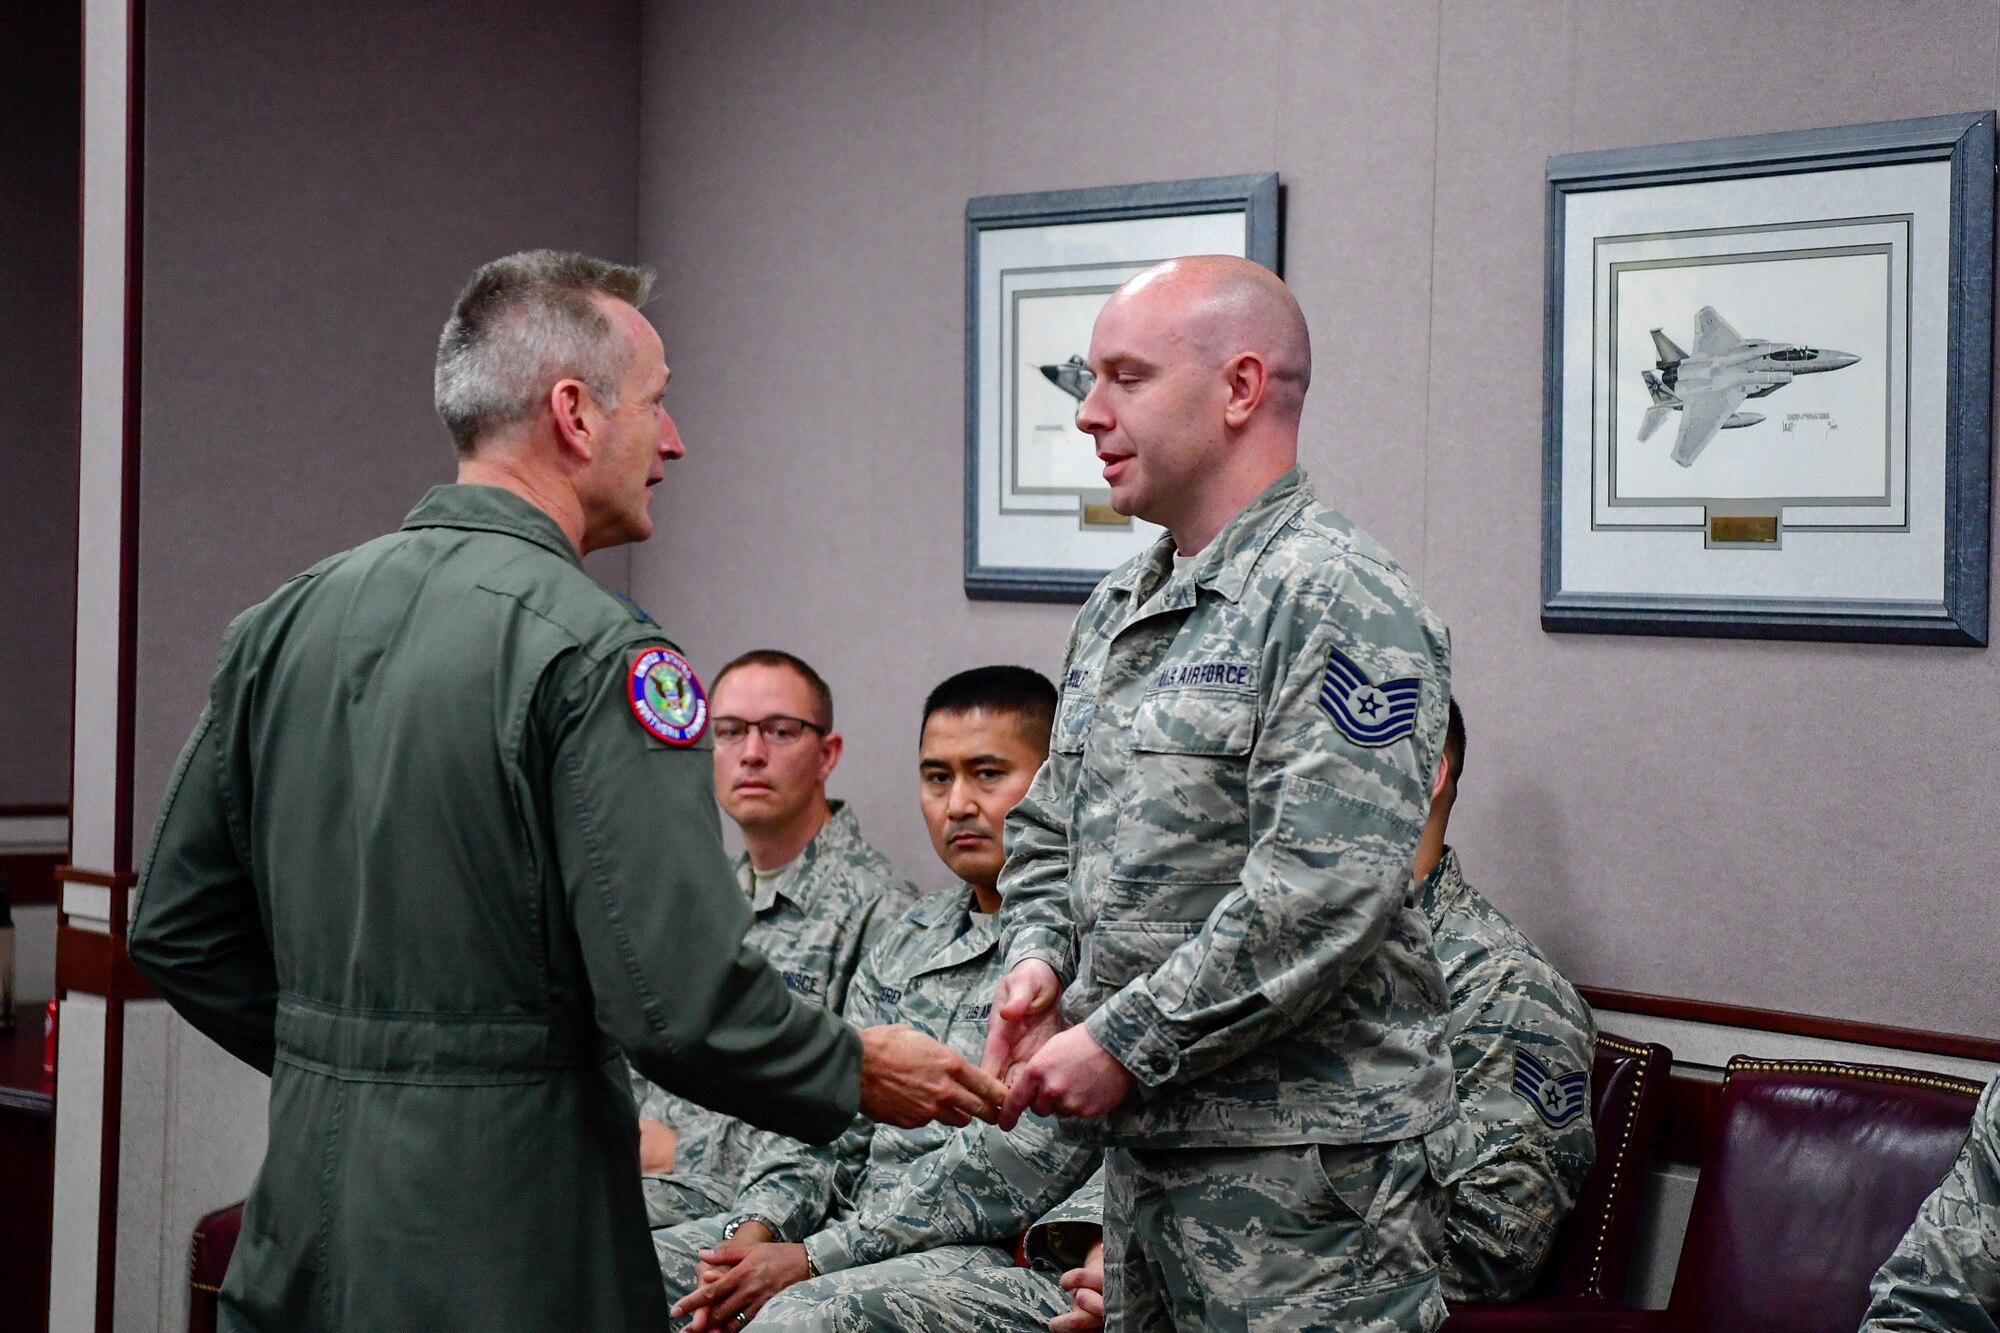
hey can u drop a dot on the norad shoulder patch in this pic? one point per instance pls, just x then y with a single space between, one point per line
666 697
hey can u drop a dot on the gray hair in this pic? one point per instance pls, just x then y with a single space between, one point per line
521 324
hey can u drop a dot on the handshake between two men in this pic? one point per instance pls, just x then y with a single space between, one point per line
1032 1063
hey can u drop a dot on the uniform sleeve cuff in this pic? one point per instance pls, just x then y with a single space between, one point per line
831 1249
1042 945
786 1216
1131 1031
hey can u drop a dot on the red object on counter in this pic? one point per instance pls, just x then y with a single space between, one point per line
49 1039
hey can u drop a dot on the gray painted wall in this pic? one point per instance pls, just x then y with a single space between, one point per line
40 91
320 179
1796 826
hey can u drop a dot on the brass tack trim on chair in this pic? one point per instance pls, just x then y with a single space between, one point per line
1624 1047
1940 1082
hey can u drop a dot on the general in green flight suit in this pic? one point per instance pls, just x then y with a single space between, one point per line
444 840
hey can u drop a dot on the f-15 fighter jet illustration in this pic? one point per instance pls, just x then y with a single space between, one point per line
1072 377
1726 368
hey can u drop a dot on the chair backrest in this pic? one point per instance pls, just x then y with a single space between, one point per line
208 1259
1814 1172
1592 1254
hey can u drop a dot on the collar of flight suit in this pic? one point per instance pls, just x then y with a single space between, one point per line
964 932
491 509
1226 563
796 882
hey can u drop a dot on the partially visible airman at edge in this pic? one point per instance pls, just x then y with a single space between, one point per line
1945 1275
1522 1042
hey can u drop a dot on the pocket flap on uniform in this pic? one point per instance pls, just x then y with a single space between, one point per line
1195 721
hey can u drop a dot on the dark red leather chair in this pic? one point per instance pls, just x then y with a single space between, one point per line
1592 1254
214 1241
1814 1172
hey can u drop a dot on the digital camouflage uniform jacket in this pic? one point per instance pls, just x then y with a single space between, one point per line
813 924
1217 852
422 864
1522 1041
1945 1276
879 1191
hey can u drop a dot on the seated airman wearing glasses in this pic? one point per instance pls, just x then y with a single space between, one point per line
819 892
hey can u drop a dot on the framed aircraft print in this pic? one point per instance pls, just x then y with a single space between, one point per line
1767 387
1039 525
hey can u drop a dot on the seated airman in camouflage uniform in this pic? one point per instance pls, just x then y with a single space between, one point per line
824 1235
1945 1276
819 892
1522 1042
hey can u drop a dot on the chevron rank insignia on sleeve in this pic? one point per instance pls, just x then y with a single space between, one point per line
1367 713
1557 1098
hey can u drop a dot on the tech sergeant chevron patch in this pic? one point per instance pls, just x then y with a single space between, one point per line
1367 713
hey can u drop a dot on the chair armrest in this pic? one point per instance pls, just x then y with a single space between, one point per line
208 1260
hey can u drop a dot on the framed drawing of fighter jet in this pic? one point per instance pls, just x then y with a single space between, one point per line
1039 524
1768 385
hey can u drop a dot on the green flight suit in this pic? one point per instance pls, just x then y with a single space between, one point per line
423 864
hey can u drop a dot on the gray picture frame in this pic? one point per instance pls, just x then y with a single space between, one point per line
1257 197
1967 143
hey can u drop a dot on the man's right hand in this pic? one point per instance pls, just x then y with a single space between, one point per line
908 1080
1024 1017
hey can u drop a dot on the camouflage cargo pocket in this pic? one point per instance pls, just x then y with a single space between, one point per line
1116 951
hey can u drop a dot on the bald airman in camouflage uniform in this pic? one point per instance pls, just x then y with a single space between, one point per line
1945 1276
1233 848
931 1201
1216 857
813 923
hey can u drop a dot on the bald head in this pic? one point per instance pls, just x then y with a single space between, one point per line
1224 306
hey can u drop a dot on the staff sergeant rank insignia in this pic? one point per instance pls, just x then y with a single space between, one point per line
1366 713
1557 1098
666 698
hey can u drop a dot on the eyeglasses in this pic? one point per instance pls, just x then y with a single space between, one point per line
777 731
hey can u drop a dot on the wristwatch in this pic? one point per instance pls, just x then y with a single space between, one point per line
736 1225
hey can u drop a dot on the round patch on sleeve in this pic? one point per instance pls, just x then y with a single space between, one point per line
666 697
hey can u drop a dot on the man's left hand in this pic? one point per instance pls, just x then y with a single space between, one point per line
1085 1286
737 1277
1070 1075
